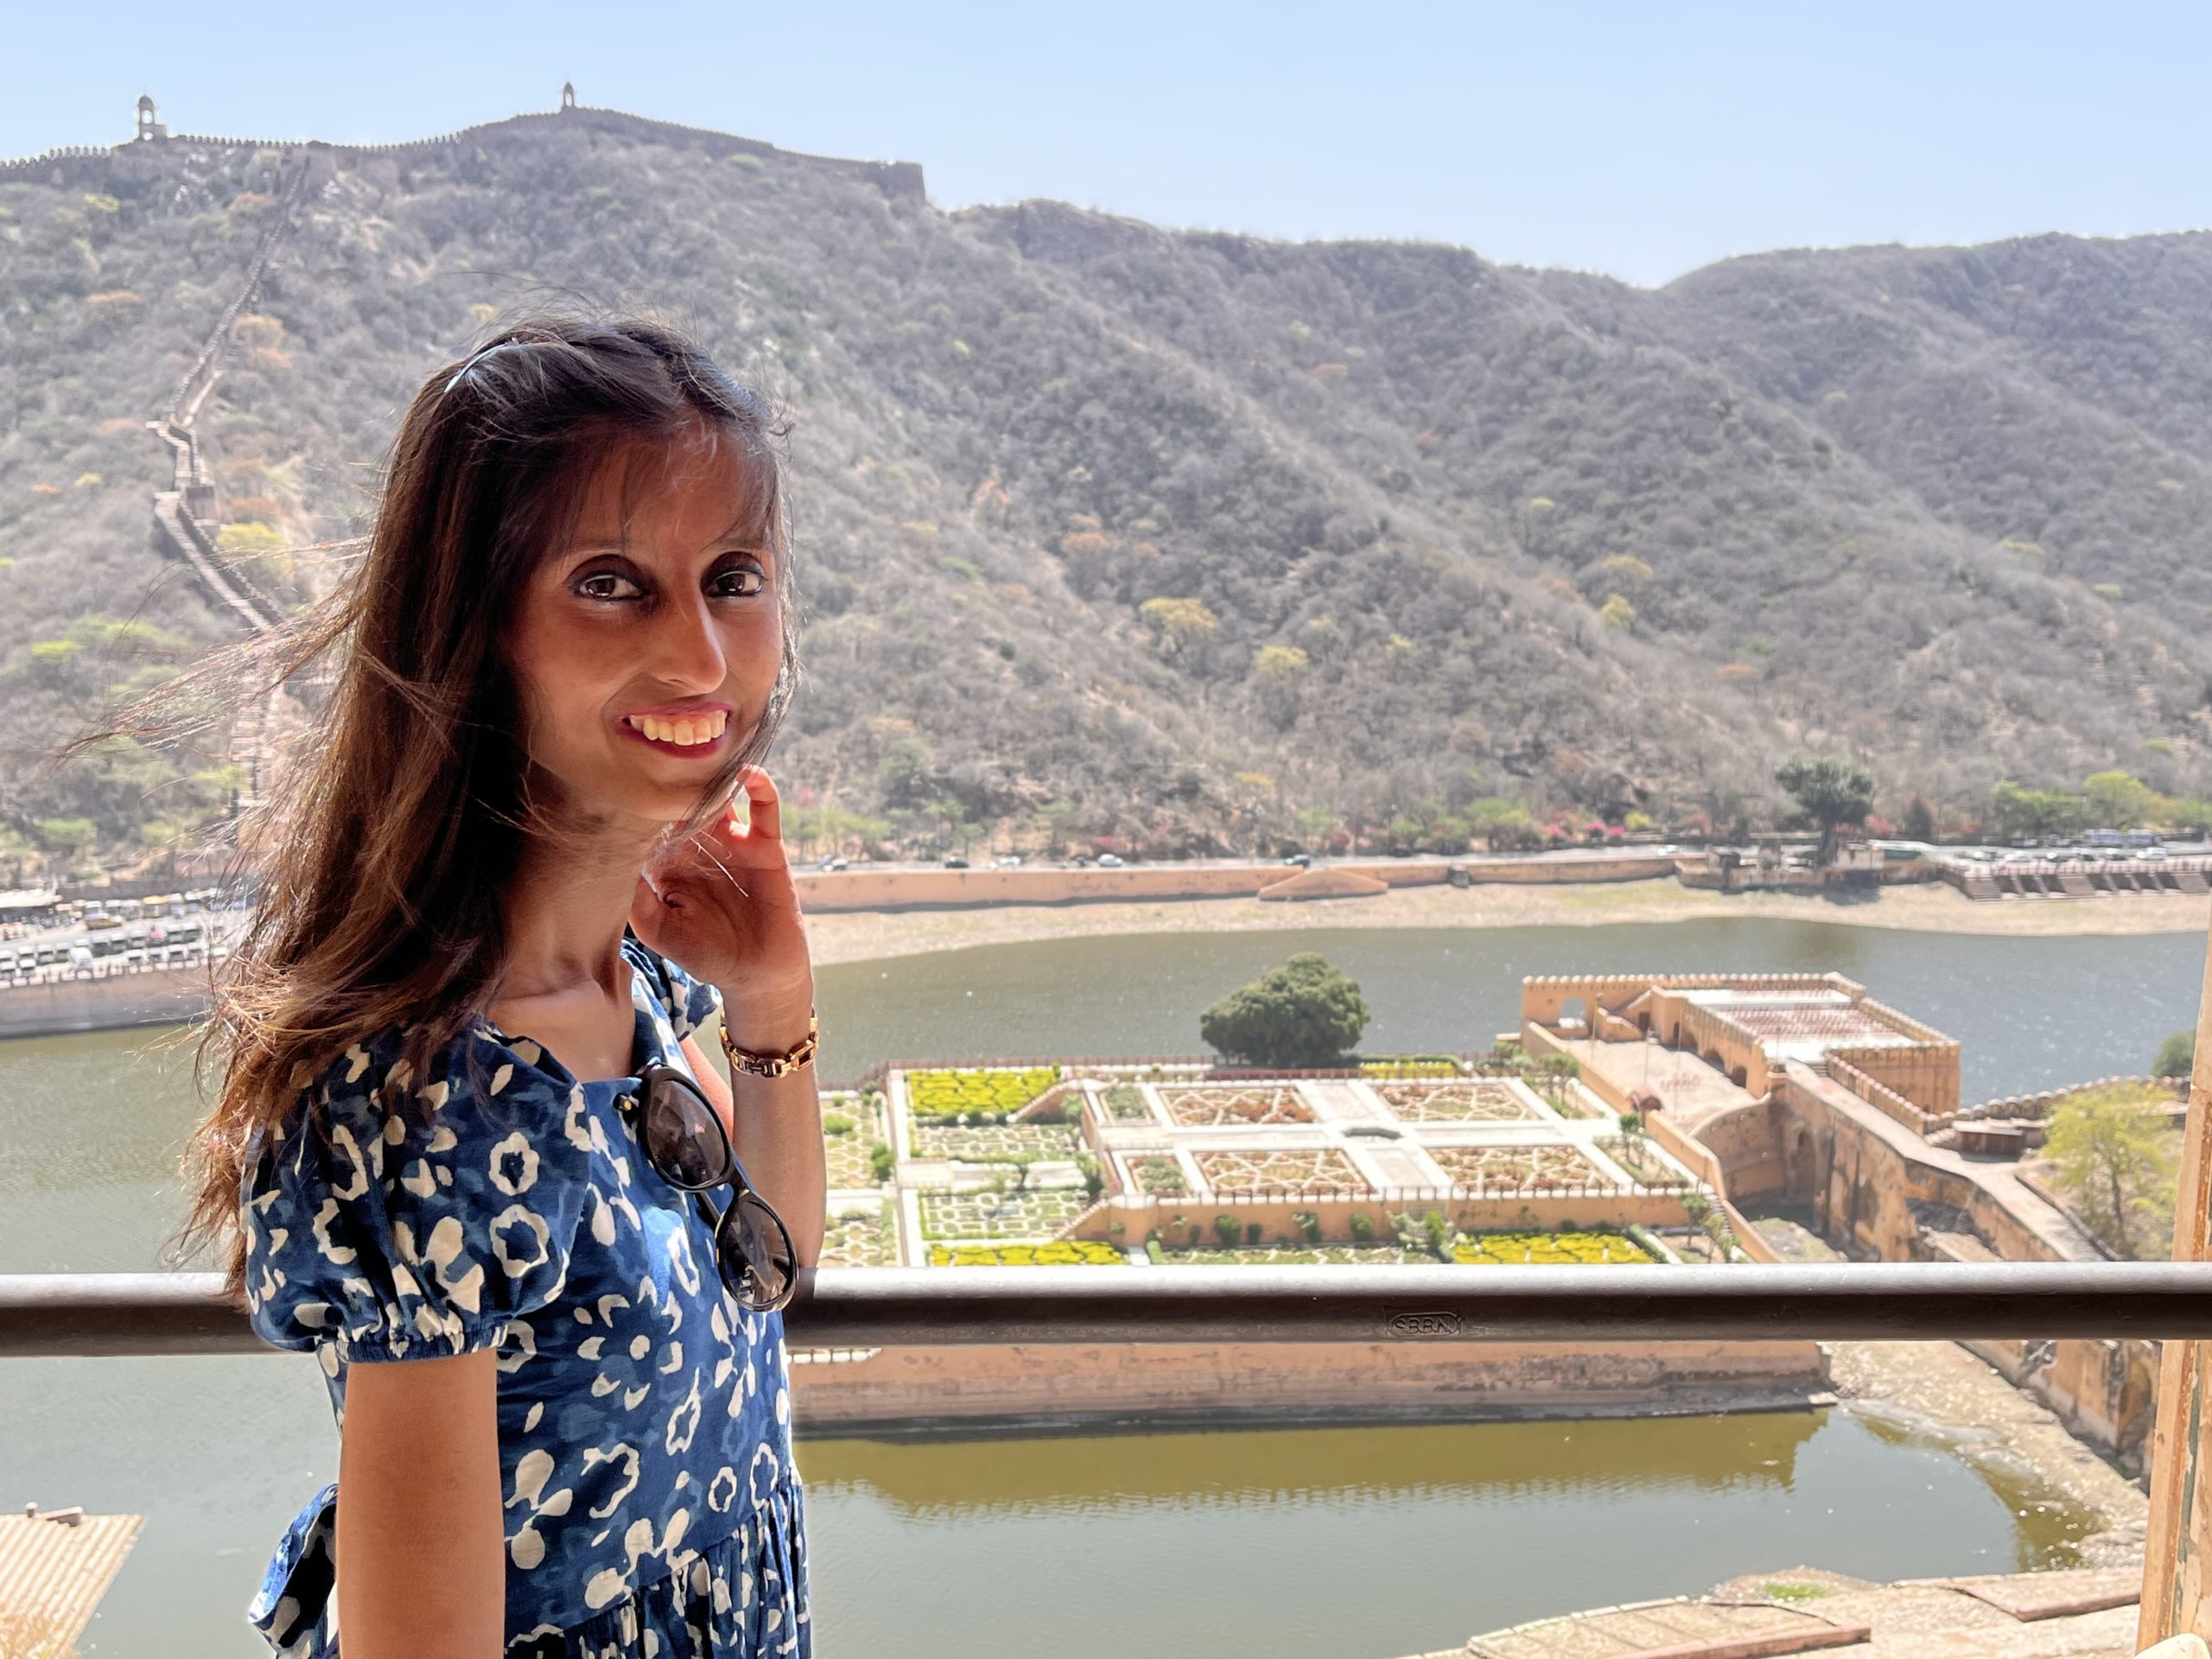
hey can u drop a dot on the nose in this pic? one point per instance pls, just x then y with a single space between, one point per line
686 648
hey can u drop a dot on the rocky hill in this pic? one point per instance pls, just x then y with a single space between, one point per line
1188 539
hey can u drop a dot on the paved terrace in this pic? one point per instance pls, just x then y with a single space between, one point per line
1693 1091
2089 1614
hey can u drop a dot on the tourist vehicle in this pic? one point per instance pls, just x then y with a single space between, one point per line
1302 859
1109 861
2143 838
101 919
954 861
1006 860
188 934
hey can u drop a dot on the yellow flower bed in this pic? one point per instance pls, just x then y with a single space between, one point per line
950 1093
1060 1252
1411 1066
1517 1248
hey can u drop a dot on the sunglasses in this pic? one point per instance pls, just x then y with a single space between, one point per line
686 1144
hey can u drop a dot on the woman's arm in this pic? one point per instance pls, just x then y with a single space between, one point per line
422 1540
775 1123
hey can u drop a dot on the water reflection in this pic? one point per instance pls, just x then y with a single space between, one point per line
940 1479
1377 1542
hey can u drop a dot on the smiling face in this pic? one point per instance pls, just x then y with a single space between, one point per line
646 645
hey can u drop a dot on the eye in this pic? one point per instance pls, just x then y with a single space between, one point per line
736 581
606 584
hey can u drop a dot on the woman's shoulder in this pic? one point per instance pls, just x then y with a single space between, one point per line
690 1003
418 1195
395 1080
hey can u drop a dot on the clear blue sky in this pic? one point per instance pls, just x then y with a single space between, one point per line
1642 140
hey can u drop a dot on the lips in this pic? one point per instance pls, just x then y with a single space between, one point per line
680 732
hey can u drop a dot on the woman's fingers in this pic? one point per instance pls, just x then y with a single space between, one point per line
766 820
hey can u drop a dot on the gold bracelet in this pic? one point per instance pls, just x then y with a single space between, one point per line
772 1065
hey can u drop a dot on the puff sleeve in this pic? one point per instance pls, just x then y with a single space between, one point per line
390 1218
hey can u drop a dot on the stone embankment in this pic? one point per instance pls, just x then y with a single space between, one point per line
120 995
1934 1391
1013 1387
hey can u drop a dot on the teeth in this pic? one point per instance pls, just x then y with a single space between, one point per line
688 731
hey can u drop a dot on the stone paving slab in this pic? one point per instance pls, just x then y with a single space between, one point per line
1680 1629
2034 1596
2067 1614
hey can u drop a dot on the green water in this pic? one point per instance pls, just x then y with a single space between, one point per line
1369 1542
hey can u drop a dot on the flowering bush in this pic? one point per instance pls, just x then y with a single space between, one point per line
1059 1253
1515 1248
985 1094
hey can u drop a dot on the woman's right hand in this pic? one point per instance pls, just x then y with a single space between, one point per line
422 1537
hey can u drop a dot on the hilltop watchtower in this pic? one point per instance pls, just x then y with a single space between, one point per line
568 95
149 128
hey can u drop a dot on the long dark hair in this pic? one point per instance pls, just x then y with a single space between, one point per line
386 842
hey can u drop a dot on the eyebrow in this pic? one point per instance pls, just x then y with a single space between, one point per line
733 545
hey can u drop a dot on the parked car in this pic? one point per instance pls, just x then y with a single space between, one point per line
1109 861
1006 862
1303 859
954 861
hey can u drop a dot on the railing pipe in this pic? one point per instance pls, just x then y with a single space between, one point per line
92 1315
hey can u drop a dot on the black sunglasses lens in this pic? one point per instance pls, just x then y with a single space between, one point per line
681 1138
758 1250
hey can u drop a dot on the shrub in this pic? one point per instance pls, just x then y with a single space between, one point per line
1251 1232
1229 1228
1059 1252
250 539
881 1162
2177 1055
836 1124
1303 1014
1363 1227
1308 1225
977 1094
2116 1163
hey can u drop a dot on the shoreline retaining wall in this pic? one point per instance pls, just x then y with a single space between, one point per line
1290 1382
827 891
159 996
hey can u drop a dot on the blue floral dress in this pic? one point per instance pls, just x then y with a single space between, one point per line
652 1509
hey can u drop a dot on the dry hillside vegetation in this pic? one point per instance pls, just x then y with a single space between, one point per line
1195 540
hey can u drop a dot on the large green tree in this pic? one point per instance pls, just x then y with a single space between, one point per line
2116 1160
1305 1013
1832 792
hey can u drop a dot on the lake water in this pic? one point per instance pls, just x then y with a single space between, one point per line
1373 1542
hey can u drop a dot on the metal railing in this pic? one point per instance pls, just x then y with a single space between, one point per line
90 1315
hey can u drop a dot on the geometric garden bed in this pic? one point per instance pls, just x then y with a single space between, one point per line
1319 1169
1517 1167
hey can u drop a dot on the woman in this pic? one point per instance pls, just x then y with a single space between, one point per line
475 1159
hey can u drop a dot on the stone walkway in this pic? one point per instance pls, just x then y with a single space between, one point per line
2075 1615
